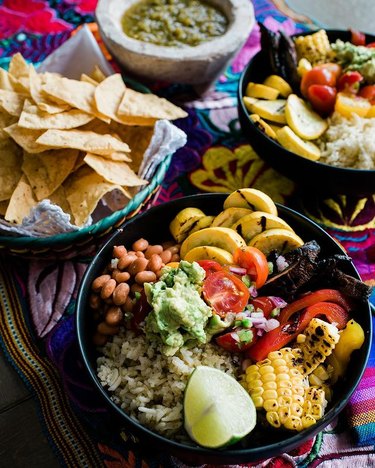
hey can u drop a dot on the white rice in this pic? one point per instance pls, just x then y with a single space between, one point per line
150 386
349 142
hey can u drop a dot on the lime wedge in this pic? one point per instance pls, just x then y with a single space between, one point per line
218 411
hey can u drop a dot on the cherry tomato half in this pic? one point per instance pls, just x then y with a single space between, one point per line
210 266
263 303
322 98
335 68
225 293
317 76
357 37
255 263
368 92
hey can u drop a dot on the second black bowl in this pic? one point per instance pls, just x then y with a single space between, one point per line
312 175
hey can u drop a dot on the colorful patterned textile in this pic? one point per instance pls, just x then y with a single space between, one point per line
37 298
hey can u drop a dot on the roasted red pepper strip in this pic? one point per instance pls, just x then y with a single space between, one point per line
285 333
330 295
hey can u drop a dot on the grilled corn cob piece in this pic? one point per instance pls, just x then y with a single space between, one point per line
277 386
321 339
315 47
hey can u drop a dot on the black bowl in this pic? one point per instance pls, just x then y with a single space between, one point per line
311 175
153 226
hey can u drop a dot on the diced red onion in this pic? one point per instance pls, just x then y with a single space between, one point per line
235 337
257 322
271 324
253 291
238 270
257 315
260 332
277 301
281 263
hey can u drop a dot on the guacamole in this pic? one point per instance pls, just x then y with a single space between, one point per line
356 58
179 314
174 22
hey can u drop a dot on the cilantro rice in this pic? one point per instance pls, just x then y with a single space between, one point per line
150 386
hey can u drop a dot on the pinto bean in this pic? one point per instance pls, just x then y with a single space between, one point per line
155 263
128 306
175 257
153 249
140 245
108 289
139 254
135 287
114 316
140 264
174 249
94 301
119 251
120 293
120 276
99 282
99 339
145 277
125 261
166 256
106 329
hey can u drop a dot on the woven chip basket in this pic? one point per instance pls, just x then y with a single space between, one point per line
85 240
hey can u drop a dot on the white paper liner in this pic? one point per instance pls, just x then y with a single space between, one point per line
80 54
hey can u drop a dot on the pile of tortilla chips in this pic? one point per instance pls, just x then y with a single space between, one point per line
71 141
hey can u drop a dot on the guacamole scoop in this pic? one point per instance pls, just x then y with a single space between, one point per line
179 314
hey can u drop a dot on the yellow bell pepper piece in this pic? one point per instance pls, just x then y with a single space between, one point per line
347 105
371 113
351 338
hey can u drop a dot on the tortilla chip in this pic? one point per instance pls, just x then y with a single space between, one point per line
19 73
84 189
10 168
32 117
47 171
85 141
144 109
26 138
138 139
5 80
77 94
97 74
21 202
109 94
36 82
12 102
88 79
3 207
79 161
114 171
5 121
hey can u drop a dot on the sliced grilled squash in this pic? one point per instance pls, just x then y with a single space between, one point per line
254 223
281 240
183 222
263 126
202 223
249 102
207 252
261 91
252 199
271 110
228 217
292 142
275 81
306 123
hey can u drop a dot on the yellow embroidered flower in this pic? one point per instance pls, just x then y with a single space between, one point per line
225 170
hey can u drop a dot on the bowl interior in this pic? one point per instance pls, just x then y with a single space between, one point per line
332 179
153 225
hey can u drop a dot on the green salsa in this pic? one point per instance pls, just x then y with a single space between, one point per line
174 22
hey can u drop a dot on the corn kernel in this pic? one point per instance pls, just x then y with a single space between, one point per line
270 385
275 354
293 423
285 400
266 369
270 394
307 421
273 418
284 391
284 413
279 362
270 405
269 377
281 377
296 409
284 384
258 401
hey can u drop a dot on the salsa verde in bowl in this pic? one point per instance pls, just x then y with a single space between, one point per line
263 441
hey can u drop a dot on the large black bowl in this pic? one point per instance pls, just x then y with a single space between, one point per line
153 225
312 175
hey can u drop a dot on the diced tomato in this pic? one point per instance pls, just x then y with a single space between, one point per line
368 92
263 303
286 332
140 310
322 98
322 295
349 82
225 293
317 76
231 341
357 38
255 263
371 45
210 266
